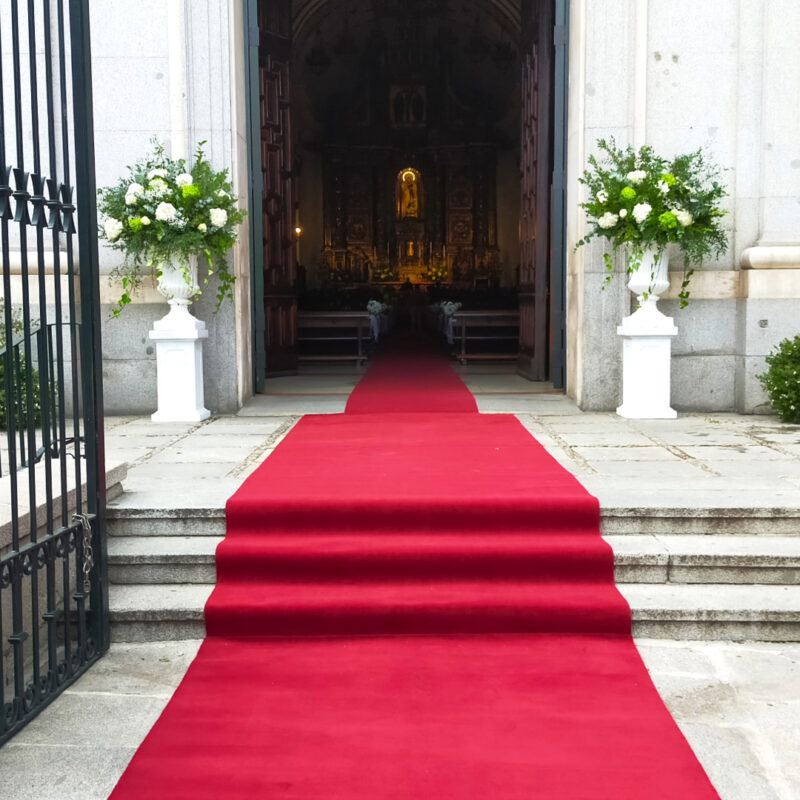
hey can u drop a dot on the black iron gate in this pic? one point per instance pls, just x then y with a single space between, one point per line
53 597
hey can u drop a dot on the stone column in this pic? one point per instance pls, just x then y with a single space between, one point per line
770 285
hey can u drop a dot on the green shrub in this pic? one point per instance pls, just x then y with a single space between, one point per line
782 380
21 412
19 379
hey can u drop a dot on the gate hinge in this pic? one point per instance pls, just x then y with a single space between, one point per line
560 35
254 36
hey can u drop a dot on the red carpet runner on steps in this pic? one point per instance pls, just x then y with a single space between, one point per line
413 601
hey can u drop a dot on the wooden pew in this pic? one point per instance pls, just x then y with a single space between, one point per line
484 326
334 326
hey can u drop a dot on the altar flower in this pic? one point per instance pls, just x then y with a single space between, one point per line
608 220
654 203
112 228
133 193
159 187
218 217
163 212
668 221
166 212
641 211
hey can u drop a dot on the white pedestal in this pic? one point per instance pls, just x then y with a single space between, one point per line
646 350
179 363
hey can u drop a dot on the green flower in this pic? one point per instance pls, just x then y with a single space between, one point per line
628 193
135 224
669 179
668 221
190 191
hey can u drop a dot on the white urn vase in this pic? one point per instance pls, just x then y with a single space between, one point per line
179 347
647 342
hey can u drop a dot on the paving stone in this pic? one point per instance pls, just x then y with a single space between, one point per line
593 437
58 772
678 658
734 452
728 757
630 453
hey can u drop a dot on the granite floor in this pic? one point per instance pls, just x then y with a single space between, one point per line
738 705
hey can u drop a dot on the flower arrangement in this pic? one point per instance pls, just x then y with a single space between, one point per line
782 380
639 200
449 307
435 273
165 212
375 307
385 273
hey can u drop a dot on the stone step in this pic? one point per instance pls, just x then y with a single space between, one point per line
162 559
678 559
638 559
125 519
157 612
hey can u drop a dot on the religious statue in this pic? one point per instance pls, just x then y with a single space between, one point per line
408 205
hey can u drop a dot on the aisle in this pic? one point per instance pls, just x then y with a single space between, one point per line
414 601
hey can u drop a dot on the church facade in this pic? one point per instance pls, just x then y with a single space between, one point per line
440 142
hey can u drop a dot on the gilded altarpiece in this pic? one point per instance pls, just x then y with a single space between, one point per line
428 216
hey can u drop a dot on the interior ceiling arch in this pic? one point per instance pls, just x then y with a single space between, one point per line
307 15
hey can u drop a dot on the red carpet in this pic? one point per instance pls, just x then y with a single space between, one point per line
413 601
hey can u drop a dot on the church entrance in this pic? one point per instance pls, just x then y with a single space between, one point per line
410 152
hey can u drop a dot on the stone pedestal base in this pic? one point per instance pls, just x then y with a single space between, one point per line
179 363
647 348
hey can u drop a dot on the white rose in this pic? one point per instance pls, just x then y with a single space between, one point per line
113 229
184 179
156 173
623 212
166 212
608 220
202 227
637 176
145 221
602 196
641 211
222 193
684 217
218 217
663 187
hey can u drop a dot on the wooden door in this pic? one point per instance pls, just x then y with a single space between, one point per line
279 244
535 168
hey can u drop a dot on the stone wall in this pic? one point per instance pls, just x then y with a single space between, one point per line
681 75
171 69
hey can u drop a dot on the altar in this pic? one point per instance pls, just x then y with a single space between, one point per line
425 217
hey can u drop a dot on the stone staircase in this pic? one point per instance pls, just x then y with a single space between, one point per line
687 573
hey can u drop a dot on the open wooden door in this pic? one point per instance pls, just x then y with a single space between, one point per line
280 294
535 167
